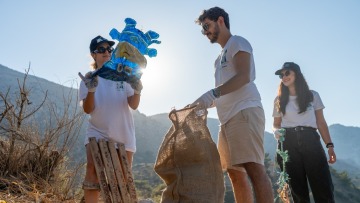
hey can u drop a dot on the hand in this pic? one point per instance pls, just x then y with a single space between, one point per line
90 82
278 133
135 83
332 155
205 101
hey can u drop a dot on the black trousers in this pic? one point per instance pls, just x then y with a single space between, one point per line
307 163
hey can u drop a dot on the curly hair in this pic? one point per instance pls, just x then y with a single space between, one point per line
213 14
304 95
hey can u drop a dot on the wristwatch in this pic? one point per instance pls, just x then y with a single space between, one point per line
216 92
330 144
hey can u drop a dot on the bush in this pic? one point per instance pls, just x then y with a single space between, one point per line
34 153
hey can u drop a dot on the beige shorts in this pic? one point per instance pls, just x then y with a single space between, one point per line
241 139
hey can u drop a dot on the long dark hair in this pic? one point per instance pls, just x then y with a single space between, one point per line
304 95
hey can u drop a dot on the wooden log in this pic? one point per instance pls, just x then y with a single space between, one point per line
113 171
109 169
100 172
127 172
119 173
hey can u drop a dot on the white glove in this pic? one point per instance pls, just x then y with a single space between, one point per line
135 83
90 82
278 133
205 101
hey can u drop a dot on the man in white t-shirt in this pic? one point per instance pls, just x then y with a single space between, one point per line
239 108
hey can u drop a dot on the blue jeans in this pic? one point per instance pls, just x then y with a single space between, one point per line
307 163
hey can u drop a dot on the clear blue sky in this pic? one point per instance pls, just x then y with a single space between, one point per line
322 36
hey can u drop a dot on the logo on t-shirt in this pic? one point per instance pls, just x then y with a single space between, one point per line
310 107
223 61
119 86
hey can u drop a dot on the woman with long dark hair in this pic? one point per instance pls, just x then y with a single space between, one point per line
299 111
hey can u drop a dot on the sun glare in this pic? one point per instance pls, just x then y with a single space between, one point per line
156 73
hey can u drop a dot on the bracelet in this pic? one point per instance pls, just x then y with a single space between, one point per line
330 144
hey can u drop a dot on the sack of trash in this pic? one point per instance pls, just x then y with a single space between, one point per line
188 161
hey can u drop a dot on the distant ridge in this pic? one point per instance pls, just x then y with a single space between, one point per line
10 74
37 86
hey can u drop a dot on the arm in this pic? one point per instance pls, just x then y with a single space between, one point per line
88 103
134 101
242 77
91 83
137 86
278 132
277 123
324 132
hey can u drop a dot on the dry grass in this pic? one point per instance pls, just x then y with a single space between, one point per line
17 191
32 183
34 161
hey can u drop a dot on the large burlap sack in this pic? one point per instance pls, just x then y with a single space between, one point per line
188 161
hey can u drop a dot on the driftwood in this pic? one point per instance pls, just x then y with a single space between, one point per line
112 168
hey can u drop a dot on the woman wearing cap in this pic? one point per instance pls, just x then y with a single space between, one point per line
299 111
108 103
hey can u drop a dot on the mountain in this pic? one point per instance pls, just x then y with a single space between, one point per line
37 86
345 138
56 97
150 130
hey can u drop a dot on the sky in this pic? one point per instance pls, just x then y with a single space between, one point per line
322 36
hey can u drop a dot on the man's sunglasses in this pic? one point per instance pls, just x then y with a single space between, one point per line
102 50
205 28
287 73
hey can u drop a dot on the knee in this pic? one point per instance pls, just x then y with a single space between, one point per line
90 172
237 176
255 169
90 166
91 175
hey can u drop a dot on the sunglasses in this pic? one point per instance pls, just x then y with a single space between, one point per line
287 73
205 28
102 50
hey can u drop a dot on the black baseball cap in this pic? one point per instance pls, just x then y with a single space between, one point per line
288 66
98 40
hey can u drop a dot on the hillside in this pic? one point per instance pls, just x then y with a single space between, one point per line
39 89
150 131
38 86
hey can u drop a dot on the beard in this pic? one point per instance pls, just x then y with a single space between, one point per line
215 35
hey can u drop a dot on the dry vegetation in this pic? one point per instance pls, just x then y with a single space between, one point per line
34 143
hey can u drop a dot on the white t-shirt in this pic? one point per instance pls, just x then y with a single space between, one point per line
247 96
112 118
292 118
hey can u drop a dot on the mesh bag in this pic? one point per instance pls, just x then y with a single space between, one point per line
188 161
